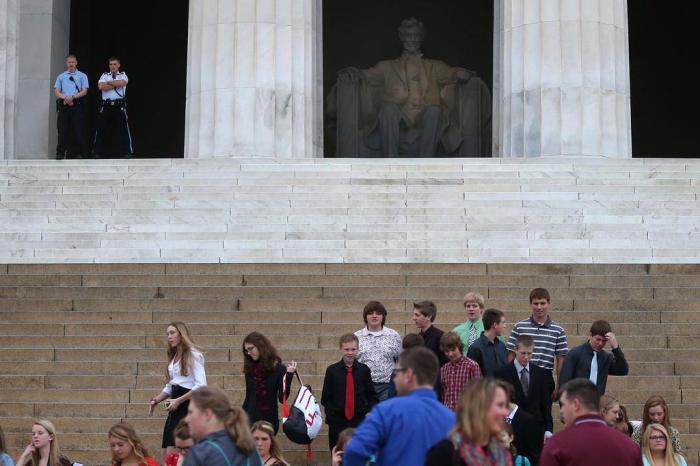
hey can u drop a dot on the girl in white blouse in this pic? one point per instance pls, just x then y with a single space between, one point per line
185 373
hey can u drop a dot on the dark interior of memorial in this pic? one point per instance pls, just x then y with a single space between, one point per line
663 52
361 33
150 38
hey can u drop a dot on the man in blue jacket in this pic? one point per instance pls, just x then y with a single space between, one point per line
401 430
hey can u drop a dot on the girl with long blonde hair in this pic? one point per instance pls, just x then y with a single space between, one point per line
656 448
43 449
266 443
127 448
481 414
184 374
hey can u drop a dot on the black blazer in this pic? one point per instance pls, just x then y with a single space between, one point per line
528 435
333 395
538 400
578 364
273 386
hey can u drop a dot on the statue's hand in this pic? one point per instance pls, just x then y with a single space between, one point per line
350 73
462 75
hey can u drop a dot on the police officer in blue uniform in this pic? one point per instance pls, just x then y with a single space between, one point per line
112 119
70 88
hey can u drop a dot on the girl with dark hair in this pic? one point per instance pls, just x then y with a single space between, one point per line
43 450
263 371
127 448
221 432
185 373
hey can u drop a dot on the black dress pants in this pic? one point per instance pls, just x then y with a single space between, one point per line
112 136
71 132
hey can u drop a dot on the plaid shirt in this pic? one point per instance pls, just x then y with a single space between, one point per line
454 376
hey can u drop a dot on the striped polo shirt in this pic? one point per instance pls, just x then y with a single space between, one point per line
549 341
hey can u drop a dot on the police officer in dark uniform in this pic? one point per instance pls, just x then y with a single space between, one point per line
70 88
112 119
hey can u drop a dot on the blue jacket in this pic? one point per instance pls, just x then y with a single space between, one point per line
204 453
400 431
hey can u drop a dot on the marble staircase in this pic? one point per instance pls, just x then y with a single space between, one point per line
83 344
541 210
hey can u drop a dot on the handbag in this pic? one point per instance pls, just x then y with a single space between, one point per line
302 422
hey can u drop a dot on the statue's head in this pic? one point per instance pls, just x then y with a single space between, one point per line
411 34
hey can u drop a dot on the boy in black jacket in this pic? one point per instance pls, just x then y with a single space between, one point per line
344 408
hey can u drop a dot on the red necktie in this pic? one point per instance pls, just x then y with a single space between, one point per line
349 394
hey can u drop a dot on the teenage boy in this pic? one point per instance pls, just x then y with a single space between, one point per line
488 350
591 361
457 372
530 386
471 329
348 392
549 338
379 348
424 314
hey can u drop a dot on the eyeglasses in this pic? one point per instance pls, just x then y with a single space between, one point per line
401 369
183 450
657 437
249 349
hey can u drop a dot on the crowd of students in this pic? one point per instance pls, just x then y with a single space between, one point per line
461 397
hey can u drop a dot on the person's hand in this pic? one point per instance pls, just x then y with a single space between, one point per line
461 74
547 435
27 453
336 457
173 404
151 405
292 367
610 337
350 73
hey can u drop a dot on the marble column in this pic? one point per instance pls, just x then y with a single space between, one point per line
9 24
562 78
251 79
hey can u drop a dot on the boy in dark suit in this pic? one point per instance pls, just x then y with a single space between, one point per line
530 384
348 392
591 361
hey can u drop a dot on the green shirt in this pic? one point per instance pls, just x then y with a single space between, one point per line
463 331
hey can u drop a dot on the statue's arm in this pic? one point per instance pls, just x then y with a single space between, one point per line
373 76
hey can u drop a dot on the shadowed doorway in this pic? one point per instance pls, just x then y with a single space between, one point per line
150 39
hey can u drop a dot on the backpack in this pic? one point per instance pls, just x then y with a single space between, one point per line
303 421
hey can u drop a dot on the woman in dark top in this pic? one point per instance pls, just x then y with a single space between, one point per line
221 431
263 371
480 419
44 447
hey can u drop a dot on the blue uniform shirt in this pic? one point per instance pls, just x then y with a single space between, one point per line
400 431
68 87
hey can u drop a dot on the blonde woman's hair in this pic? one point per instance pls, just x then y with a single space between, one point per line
669 454
54 450
183 350
607 402
126 433
234 418
473 408
266 427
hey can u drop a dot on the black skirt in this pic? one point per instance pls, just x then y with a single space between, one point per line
174 416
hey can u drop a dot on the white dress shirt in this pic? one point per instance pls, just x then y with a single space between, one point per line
115 93
195 379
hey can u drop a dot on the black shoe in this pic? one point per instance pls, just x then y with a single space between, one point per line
95 156
60 157
128 156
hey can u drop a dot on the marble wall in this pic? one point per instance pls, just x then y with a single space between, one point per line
562 78
44 27
9 24
251 79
